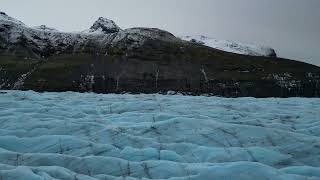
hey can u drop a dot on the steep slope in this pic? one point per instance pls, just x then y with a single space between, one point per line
232 46
107 59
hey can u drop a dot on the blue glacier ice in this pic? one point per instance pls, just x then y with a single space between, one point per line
88 136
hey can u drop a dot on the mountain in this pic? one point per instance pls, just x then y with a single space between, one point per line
232 46
108 59
42 41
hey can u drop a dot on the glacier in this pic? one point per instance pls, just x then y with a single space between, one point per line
87 136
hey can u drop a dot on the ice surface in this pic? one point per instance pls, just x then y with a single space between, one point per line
90 136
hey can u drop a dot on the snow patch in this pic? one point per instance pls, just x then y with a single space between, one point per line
232 46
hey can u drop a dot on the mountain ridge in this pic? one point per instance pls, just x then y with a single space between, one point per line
106 26
232 46
107 59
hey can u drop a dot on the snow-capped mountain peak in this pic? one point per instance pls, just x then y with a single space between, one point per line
104 25
42 41
232 46
41 35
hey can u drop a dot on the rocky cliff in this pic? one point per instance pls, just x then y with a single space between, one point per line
106 58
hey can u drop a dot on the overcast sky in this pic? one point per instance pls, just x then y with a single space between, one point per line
292 27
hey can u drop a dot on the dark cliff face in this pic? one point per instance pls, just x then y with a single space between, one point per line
143 60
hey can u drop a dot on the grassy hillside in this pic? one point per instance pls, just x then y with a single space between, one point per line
160 66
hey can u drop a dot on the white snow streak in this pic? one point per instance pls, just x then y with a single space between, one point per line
232 46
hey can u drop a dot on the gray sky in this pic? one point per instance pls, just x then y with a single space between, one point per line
292 27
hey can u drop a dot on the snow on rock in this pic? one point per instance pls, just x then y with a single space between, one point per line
105 25
44 41
4 18
106 136
232 46
103 33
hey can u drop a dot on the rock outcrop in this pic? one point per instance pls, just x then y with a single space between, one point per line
105 25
